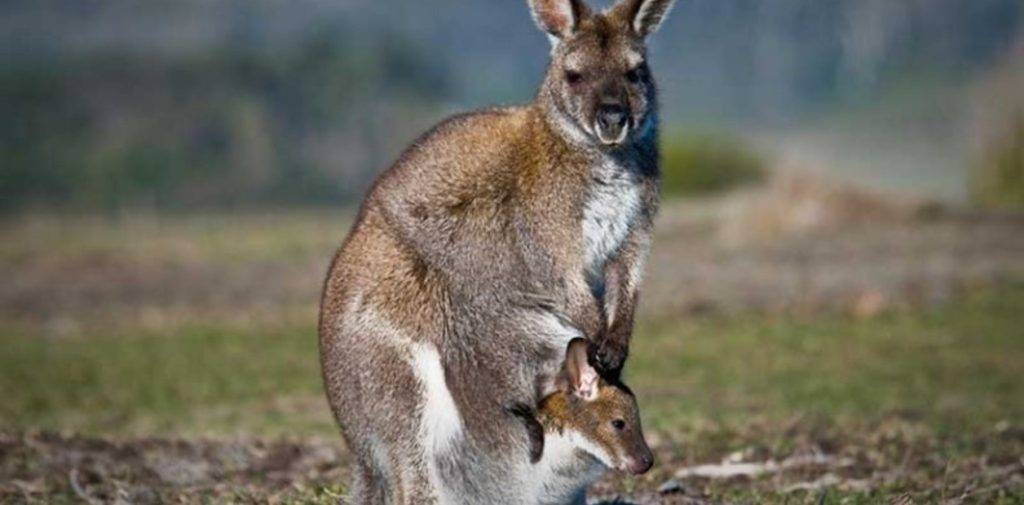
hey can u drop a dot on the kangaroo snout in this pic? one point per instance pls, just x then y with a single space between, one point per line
612 123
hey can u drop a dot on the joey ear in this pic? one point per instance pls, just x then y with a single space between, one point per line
644 16
582 379
558 18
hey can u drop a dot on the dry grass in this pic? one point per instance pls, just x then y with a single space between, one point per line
165 359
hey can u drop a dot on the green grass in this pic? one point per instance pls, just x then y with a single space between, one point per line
954 368
190 381
698 164
997 179
213 238
935 385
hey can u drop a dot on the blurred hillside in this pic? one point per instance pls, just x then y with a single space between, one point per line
184 104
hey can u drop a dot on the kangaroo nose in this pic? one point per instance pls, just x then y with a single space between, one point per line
612 117
612 124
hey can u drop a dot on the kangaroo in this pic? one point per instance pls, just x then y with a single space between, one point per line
589 425
495 239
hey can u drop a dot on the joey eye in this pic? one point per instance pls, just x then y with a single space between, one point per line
619 424
573 77
633 75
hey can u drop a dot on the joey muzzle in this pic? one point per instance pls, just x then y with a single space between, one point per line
640 463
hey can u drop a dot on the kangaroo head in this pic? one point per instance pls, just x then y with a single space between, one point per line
599 88
605 414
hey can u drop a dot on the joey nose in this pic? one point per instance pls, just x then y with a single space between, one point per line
641 464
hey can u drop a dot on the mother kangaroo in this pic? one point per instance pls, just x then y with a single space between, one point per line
495 239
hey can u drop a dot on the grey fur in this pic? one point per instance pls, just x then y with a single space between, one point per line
472 245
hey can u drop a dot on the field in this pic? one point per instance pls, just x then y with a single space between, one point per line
855 360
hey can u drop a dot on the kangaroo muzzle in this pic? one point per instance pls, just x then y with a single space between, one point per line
612 124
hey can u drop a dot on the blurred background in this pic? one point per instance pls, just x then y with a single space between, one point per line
838 269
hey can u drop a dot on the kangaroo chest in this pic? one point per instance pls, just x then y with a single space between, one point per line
612 205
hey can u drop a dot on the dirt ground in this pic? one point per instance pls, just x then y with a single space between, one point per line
895 455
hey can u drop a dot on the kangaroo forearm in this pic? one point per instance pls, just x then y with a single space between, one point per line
620 328
622 282
620 305
620 299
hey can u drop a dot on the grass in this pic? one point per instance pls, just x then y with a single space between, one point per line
929 392
246 236
698 164
935 391
192 381
998 174
956 369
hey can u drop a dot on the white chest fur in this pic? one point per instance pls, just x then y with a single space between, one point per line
565 470
612 206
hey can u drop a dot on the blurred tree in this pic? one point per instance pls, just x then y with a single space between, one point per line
235 125
191 103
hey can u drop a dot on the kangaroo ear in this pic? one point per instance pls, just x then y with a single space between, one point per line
581 378
558 18
644 16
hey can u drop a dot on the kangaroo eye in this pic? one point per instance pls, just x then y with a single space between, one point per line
619 424
573 77
633 75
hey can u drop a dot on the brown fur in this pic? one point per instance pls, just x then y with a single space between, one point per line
610 418
562 411
472 244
